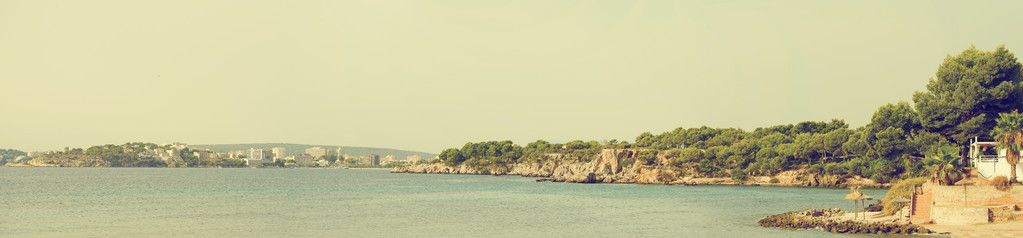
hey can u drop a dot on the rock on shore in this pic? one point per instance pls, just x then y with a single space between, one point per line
830 220
607 167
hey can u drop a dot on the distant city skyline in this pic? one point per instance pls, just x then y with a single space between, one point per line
425 76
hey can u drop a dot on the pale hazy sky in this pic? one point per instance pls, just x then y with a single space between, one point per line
428 75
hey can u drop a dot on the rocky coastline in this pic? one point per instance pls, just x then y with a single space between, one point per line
837 221
608 167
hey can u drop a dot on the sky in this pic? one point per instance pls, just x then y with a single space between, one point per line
430 75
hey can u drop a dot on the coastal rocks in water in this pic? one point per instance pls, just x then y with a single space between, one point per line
830 220
589 178
804 178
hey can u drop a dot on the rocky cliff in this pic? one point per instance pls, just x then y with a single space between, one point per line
64 161
607 167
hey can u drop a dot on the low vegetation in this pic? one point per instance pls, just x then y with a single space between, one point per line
9 155
903 189
1001 183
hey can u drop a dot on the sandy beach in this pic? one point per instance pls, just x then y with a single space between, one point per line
995 229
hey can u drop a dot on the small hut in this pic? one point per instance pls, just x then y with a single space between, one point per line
858 198
901 200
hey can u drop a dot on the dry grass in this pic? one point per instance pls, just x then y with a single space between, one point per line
902 188
1001 183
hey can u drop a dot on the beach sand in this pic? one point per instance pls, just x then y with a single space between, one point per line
996 229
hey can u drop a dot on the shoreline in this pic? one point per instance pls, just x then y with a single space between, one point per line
992 229
603 171
682 182
228 168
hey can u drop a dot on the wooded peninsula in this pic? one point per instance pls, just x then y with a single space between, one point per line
961 103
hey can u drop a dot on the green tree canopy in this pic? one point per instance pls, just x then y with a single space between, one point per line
968 90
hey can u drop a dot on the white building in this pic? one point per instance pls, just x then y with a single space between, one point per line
412 159
258 157
178 145
990 161
253 162
256 153
316 152
388 159
279 153
305 160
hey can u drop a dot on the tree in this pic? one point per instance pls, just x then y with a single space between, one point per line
451 156
689 155
647 157
330 158
899 116
968 87
890 143
803 148
925 143
773 140
646 139
944 166
1009 134
833 140
809 127
859 143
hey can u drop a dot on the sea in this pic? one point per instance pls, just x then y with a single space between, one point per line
198 202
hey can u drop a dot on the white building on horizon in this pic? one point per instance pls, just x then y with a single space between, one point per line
316 152
305 160
279 153
412 159
256 157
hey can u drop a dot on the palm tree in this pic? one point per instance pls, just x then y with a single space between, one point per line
1009 134
944 166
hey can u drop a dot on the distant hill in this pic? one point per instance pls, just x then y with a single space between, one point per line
294 149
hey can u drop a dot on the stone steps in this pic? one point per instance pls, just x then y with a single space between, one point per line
922 208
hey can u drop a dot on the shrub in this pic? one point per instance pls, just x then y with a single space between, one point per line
647 157
903 189
738 175
1001 183
835 169
881 178
665 176
882 171
691 155
628 162
857 166
774 180
815 169
673 153
677 162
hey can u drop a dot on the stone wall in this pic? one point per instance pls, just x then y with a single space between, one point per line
976 196
959 215
999 215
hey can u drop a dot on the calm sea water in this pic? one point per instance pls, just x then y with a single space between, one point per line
139 202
